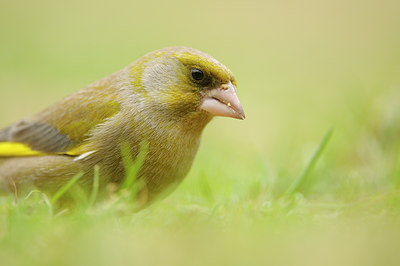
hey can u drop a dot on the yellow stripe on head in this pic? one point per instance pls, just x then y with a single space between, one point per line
13 149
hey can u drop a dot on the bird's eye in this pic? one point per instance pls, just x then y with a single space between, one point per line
197 74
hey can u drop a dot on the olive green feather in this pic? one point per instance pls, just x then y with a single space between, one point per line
152 100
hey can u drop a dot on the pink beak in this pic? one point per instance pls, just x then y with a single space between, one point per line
223 101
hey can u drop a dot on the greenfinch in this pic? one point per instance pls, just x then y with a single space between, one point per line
164 99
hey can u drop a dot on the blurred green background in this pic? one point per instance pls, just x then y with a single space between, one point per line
302 67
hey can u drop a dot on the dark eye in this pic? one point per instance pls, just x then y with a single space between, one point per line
197 74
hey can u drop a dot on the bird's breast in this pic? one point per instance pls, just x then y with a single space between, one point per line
171 150
168 161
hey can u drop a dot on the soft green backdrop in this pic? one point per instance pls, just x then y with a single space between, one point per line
302 67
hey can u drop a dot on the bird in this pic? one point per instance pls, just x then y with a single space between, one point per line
164 99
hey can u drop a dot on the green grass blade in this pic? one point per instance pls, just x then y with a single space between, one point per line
126 155
303 178
132 167
65 188
95 187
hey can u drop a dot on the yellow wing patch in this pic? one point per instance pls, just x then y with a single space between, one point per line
10 149
15 149
77 150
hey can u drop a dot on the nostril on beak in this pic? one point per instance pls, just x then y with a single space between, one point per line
224 87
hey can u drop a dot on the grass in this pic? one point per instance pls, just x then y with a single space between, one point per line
274 189
233 221
298 185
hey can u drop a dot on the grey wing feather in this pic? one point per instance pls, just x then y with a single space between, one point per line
38 136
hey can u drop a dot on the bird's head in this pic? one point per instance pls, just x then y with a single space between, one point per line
182 82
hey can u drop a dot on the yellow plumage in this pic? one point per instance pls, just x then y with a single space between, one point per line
165 99
11 149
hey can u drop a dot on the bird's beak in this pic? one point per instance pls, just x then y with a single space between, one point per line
223 101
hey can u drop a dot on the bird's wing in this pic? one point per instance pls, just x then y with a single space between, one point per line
32 138
62 128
